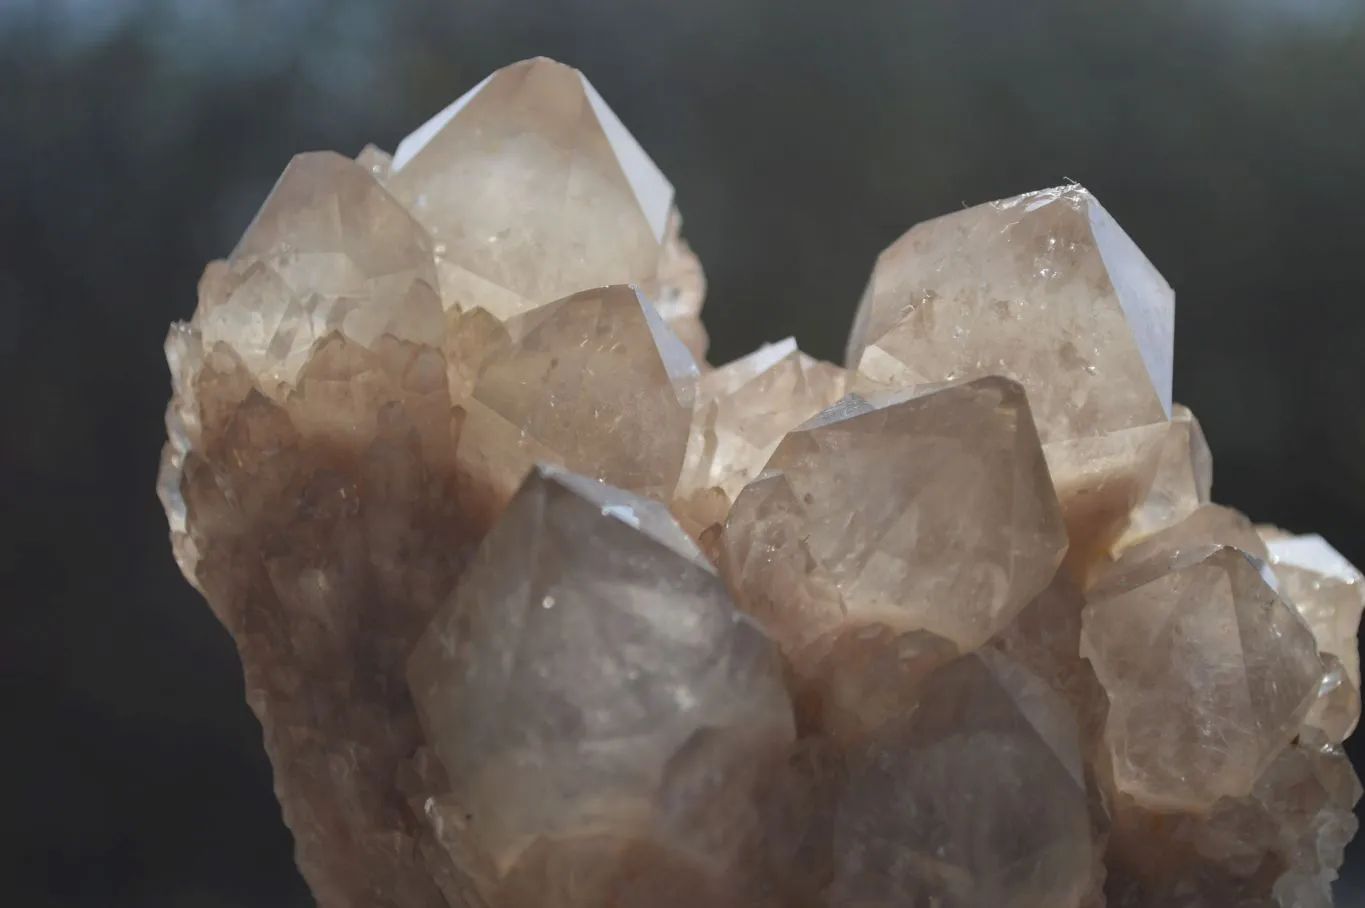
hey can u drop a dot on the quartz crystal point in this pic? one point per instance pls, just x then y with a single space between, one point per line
930 511
745 408
1183 482
1047 289
1209 674
597 383
309 482
1330 594
599 706
976 798
533 190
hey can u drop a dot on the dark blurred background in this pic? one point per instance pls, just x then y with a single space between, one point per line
137 139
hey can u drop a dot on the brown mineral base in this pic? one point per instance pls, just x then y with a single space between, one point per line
537 609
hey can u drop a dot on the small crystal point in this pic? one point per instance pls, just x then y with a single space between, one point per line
597 383
1047 289
1209 674
535 191
744 409
590 687
977 798
1183 480
329 251
1330 594
930 512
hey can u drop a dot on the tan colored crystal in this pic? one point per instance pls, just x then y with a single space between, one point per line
310 485
596 382
376 160
1330 594
1045 638
1184 479
599 707
1279 846
855 680
977 798
1210 524
302 271
931 512
1047 289
743 410
533 190
681 288
1209 674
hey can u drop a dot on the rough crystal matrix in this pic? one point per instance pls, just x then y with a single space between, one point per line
539 611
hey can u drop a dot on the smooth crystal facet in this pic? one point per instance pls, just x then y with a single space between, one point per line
595 699
533 190
597 383
1209 674
1047 289
931 512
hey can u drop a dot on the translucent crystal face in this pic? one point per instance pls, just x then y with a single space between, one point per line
597 383
1209 674
928 513
1047 289
533 190
744 409
329 251
588 655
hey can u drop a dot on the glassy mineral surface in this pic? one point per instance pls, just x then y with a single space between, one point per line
921 512
597 701
1047 289
538 610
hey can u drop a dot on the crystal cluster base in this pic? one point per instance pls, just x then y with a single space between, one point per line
539 610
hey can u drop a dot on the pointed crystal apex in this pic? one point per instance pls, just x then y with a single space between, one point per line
594 382
1209 674
583 663
744 408
534 190
930 513
1046 289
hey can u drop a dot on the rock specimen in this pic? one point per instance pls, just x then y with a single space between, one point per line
538 611
604 701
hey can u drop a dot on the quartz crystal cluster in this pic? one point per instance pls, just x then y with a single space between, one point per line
539 610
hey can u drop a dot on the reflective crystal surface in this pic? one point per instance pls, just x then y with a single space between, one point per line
931 512
596 382
1209 674
1045 288
533 190
1330 594
599 706
1183 481
743 410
